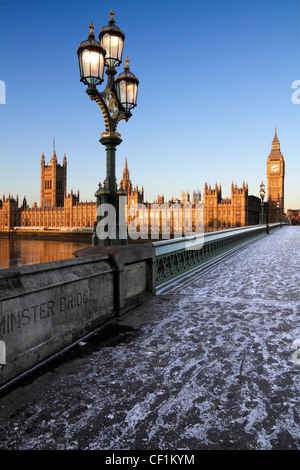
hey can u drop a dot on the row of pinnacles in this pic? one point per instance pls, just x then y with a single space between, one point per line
221 214
61 210
57 208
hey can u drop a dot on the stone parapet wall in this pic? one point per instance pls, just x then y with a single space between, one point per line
46 307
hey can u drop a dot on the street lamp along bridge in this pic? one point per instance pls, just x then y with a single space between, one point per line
262 216
116 102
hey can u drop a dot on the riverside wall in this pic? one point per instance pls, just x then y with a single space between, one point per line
46 307
53 235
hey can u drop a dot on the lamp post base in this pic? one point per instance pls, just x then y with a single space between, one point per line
110 229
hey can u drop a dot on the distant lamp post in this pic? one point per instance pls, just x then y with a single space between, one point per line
262 212
116 102
277 218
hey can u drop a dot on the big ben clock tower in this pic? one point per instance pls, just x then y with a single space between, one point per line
275 173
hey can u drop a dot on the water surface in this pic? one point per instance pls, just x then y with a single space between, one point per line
16 252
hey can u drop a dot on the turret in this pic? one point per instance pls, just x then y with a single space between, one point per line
54 159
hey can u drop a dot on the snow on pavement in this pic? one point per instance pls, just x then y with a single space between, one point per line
208 364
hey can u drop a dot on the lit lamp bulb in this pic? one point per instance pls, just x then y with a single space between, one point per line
262 191
130 94
91 62
114 43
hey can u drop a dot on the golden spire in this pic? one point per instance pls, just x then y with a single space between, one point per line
112 14
91 33
125 171
275 143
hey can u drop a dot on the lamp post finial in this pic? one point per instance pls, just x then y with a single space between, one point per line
112 14
91 26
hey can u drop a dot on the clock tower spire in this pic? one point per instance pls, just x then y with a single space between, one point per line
275 173
275 143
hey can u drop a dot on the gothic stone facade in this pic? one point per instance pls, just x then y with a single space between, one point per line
57 208
61 210
222 214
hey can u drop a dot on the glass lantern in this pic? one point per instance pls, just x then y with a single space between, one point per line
127 87
112 40
91 57
262 191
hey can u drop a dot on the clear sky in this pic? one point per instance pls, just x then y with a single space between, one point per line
215 79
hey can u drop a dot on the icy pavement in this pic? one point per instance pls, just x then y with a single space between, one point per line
211 363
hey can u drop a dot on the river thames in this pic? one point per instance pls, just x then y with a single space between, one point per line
17 252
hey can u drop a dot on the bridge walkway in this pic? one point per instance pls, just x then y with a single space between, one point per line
209 363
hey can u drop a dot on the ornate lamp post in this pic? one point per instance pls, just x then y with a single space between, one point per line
262 193
116 102
277 218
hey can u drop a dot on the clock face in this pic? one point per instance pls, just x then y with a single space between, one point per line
274 167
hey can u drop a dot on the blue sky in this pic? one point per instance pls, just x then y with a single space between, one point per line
215 79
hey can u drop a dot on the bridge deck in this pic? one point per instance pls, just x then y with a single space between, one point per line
206 364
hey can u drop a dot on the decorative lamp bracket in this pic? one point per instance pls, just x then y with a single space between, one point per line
108 101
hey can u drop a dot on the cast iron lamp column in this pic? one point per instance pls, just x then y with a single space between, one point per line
277 217
115 102
262 196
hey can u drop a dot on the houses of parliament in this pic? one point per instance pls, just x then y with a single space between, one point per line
61 210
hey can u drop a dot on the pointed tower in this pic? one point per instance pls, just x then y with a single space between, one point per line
275 174
53 163
275 143
239 205
211 199
42 195
126 171
125 182
65 175
53 181
54 159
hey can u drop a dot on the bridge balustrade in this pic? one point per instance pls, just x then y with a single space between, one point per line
178 257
